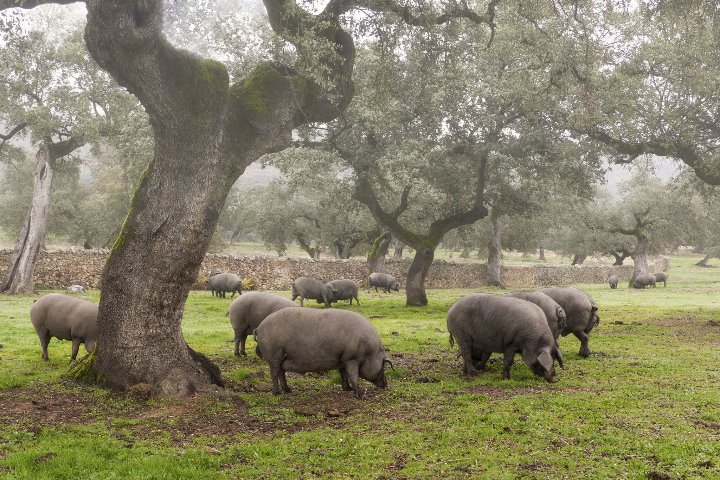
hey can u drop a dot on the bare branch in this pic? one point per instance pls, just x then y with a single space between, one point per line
16 129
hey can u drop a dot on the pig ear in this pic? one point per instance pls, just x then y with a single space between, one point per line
385 360
559 357
546 361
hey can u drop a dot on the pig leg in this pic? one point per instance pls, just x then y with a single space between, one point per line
44 342
344 379
584 339
352 368
243 338
90 346
508 359
466 353
301 301
237 344
283 381
484 357
274 373
75 348
356 300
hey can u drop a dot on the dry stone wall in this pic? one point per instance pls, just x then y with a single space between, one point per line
58 269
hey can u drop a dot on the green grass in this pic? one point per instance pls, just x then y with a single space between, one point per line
646 404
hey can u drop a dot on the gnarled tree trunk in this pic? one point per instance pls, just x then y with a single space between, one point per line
542 254
18 277
398 250
578 259
704 261
206 133
639 257
494 249
415 283
378 252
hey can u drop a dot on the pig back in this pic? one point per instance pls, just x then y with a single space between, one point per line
310 339
65 317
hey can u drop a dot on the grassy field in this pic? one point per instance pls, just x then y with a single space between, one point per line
646 404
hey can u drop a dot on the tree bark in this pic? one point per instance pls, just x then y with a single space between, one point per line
704 261
415 283
378 252
639 257
578 259
542 254
494 249
18 277
398 250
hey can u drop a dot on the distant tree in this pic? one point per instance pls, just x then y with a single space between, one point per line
53 92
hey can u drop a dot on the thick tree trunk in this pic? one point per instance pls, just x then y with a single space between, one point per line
494 250
154 263
378 252
578 259
639 257
18 277
542 254
704 261
415 283
207 132
465 252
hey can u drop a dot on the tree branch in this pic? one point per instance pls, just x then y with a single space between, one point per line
16 129
65 147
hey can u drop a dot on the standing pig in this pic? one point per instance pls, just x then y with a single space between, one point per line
249 310
340 290
225 282
383 280
613 281
311 340
554 313
66 318
642 281
483 323
581 313
661 277
308 287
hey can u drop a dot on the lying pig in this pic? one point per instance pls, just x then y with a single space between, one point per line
302 340
482 323
580 311
67 318
249 310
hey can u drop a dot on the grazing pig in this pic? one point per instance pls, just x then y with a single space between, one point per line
383 280
75 288
661 277
613 281
310 340
215 271
308 287
482 323
340 290
249 310
642 281
67 318
554 313
224 282
580 314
